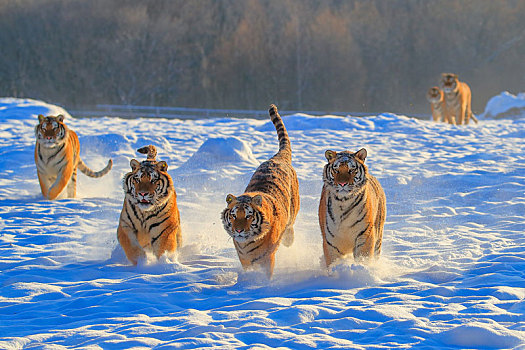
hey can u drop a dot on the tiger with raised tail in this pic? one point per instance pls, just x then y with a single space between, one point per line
437 104
352 209
57 158
457 98
150 219
263 216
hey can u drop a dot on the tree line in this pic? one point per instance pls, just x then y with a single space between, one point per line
332 55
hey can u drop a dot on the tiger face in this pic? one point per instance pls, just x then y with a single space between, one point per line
449 82
242 218
434 95
345 171
148 185
50 131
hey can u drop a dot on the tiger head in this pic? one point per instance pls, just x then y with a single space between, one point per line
434 95
243 218
346 171
50 131
449 82
148 185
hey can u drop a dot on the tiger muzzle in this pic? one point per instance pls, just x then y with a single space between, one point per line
343 178
239 226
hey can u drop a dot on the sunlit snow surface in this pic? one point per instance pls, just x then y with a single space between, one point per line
451 275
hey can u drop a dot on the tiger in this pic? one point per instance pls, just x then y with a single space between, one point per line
352 209
437 104
57 158
457 98
264 215
150 219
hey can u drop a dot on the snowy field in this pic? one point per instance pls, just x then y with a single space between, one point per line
451 275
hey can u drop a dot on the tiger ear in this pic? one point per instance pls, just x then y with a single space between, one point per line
41 118
230 198
257 200
60 118
134 164
330 155
361 154
162 166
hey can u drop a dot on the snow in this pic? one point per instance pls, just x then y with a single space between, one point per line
505 105
451 275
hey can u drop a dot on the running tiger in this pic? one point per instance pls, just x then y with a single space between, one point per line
150 217
57 157
265 213
352 209
437 104
457 99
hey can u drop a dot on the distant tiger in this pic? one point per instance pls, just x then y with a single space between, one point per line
57 157
457 98
352 209
150 217
437 104
265 213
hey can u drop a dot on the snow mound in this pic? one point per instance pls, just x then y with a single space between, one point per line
301 121
27 109
220 151
505 106
305 122
485 335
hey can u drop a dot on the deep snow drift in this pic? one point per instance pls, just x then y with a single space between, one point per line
452 271
505 106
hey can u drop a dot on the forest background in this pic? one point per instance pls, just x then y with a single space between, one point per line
331 55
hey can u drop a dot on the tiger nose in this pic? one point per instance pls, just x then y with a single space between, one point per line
342 183
143 194
239 230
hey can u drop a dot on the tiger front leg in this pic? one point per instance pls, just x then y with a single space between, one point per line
449 120
331 253
127 239
44 185
61 182
166 242
365 245
267 264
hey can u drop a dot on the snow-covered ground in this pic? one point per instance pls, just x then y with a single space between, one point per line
451 275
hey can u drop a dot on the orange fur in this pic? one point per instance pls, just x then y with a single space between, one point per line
57 157
352 209
150 218
437 104
263 216
457 98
